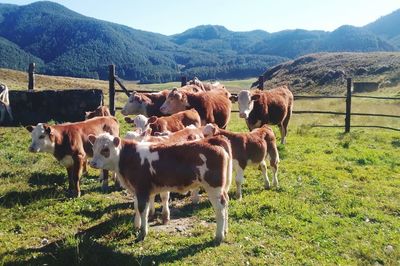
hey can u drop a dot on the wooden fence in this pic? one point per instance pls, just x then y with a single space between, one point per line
348 102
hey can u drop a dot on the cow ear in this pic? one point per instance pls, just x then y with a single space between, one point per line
116 141
128 119
233 98
151 120
30 128
92 139
255 97
48 130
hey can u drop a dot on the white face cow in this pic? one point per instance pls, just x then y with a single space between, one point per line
106 149
246 103
136 105
140 122
41 138
176 102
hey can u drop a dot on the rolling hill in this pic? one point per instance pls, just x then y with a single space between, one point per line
63 42
327 72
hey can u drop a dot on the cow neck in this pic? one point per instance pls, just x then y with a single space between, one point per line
258 113
59 144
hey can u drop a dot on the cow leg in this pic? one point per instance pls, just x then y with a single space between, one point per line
283 133
165 207
285 123
219 203
84 168
239 179
143 205
76 173
116 182
194 194
265 175
104 180
137 219
152 208
274 168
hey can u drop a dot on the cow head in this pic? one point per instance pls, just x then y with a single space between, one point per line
140 121
136 104
42 138
210 130
106 150
176 101
246 103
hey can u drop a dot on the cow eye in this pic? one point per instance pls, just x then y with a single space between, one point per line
41 137
131 100
105 152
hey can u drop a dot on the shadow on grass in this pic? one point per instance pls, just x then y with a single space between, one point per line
13 198
42 179
86 249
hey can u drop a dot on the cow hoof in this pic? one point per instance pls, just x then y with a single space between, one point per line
218 240
141 236
104 188
267 187
165 220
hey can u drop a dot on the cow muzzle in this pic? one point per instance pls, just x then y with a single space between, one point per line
163 109
93 164
32 149
242 115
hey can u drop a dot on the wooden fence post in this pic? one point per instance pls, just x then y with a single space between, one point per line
348 106
111 86
261 82
31 77
183 81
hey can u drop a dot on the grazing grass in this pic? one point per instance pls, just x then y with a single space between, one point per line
337 204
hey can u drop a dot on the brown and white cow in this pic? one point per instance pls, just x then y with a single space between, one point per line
189 133
250 148
99 111
272 107
167 124
207 86
147 169
147 103
69 143
212 106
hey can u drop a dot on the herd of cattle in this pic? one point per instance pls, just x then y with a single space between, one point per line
180 143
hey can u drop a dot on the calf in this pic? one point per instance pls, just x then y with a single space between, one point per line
272 107
99 111
172 123
69 143
4 104
147 104
189 133
147 169
252 147
206 86
212 106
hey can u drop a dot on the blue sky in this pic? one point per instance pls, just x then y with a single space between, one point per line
175 16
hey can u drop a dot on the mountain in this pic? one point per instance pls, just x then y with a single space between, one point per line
327 72
63 42
387 27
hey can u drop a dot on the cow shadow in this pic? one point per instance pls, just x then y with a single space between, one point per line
23 198
87 250
43 179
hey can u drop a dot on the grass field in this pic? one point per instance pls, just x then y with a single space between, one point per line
338 203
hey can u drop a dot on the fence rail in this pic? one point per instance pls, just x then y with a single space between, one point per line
348 102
